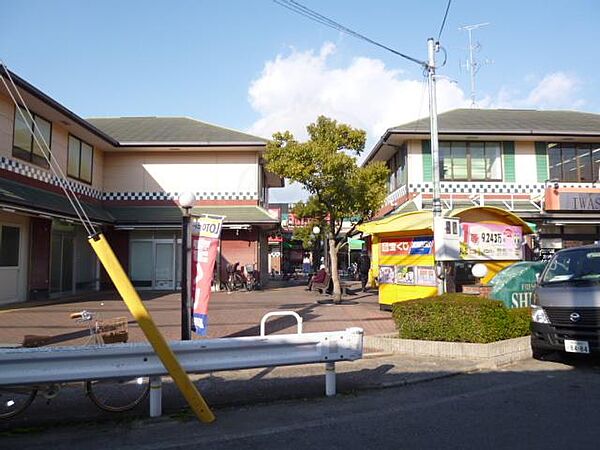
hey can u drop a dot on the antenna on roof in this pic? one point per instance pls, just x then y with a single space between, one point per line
472 65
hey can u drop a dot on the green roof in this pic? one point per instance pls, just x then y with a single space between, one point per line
138 215
508 121
42 201
170 131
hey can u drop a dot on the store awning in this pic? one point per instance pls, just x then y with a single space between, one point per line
28 199
171 215
420 221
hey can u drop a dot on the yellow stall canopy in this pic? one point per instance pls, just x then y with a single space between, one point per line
402 249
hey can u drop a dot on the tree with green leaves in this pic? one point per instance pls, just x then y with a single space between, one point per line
326 166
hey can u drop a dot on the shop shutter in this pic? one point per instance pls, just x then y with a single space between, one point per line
426 150
508 153
541 161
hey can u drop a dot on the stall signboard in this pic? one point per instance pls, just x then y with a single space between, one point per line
486 241
407 275
407 246
206 232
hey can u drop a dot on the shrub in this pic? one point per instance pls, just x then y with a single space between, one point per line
459 318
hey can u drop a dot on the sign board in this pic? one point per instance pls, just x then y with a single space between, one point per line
406 246
447 239
206 232
579 201
485 241
407 275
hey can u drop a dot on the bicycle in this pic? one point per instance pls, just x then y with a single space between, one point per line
113 395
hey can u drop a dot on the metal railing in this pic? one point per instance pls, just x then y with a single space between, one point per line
31 366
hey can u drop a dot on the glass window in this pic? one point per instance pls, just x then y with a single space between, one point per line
554 162
445 161
596 162
24 145
479 164
471 160
86 162
9 246
578 163
459 161
73 160
584 163
493 156
80 161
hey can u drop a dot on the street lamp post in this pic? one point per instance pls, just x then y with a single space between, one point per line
317 232
186 201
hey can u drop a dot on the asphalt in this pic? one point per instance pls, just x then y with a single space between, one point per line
234 314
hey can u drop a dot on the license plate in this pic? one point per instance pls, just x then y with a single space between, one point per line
576 346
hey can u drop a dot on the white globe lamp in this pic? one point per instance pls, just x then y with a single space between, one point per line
479 270
187 199
316 230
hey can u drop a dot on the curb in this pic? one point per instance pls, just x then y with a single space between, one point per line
491 355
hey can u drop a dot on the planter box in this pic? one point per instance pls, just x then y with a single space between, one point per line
503 352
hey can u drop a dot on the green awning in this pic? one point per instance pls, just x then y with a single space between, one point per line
166 215
41 201
355 244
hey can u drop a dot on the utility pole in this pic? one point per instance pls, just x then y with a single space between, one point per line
432 48
472 64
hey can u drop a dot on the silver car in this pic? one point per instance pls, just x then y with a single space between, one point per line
565 309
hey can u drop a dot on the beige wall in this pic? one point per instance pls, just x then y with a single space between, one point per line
525 163
6 125
415 162
58 146
220 171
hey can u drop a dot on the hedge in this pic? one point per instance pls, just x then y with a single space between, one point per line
459 318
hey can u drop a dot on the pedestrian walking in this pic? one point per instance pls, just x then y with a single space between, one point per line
364 265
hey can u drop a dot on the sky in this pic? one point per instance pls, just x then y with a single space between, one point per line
256 67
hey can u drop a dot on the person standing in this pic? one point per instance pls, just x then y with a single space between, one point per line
364 265
306 264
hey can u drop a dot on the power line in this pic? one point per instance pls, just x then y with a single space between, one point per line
444 21
302 10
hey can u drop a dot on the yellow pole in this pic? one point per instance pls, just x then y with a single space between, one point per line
156 339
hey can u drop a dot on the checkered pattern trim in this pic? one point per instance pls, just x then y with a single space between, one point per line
45 176
175 195
396 195
480 188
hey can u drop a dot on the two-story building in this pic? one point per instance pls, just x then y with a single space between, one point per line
543 166
128 173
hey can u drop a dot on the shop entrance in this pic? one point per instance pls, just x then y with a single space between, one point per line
62 248
155 263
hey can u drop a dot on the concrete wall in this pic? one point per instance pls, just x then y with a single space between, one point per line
181 171
58 144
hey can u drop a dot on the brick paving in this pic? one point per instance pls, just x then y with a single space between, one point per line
230 315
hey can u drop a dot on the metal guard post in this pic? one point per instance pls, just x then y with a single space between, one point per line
263 321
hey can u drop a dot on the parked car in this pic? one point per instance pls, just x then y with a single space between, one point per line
514 285
565 308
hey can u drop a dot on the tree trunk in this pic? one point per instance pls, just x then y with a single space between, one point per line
335 276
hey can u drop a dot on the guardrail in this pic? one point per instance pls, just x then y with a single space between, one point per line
44 365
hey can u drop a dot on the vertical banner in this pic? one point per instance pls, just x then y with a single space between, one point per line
206 232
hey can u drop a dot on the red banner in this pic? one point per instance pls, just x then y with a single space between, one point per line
206 231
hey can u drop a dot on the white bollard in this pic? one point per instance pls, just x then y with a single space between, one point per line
329 379
155 396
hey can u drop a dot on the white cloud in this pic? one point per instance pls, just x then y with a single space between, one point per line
295 88
557 90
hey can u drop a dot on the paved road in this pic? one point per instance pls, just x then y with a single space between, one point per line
528 405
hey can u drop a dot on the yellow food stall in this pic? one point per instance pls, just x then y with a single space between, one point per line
403 248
